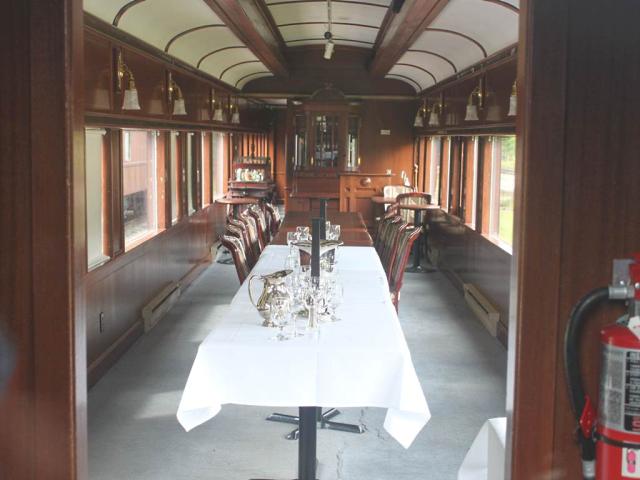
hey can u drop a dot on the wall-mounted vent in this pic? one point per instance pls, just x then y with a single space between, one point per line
153 311
482 307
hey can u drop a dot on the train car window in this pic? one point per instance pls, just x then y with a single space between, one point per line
502 188
445 159
96 165
469 180
217 153
139 186
435 158
205 168
191 177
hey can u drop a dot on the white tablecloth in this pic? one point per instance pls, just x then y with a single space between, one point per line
485 459
362 360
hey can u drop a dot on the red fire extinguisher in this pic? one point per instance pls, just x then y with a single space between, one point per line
609 441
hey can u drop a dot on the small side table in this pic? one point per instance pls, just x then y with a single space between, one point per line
417 246
236 202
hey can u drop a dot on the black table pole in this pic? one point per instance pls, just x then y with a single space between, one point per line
307 443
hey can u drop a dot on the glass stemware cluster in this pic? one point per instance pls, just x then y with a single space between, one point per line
312 300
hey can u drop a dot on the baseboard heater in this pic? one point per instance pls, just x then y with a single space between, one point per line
153 311
482 307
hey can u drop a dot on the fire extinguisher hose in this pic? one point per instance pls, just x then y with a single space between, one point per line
572 365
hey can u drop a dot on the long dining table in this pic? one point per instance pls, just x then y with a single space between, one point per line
362 360
354 231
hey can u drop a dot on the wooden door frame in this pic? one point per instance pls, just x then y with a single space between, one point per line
42 244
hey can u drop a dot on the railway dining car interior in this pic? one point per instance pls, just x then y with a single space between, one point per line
320 239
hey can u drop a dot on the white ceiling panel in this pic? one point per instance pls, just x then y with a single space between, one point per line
440 68
420 77
459 50
364 36
493 26
236 73
384 3
413 83
105 10
157 21
317 12
195 45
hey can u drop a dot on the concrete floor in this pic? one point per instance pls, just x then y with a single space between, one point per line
134 434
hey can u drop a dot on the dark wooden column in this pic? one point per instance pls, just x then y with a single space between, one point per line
42 239
577 204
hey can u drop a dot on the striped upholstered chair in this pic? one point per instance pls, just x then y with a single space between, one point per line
235 246
261 223
274 218
399 261
391 244
240 230
252 229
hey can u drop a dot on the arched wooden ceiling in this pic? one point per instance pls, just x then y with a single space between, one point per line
188 30
464 33
304 22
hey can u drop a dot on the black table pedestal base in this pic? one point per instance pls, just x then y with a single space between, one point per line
323 419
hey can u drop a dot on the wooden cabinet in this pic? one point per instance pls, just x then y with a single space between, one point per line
356 190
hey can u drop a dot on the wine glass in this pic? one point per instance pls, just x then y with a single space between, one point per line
303 233
334 232
280 313
336 294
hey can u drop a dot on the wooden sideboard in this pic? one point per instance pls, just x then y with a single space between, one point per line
356 190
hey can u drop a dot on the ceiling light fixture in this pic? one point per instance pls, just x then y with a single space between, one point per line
329 46
130 100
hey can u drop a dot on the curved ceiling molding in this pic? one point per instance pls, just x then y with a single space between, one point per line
424 70
123 10
304 22
191 30
415 85
442 57
235 65
251 76
462 35
218 50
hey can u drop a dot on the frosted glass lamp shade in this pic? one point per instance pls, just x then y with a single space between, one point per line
235 118
178 107
218 116
513 105
131 99
419 121
434 119
472 113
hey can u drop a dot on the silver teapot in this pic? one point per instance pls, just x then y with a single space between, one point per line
272 290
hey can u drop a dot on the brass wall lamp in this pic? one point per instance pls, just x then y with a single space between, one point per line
235 115
513 101
436 112
216 106
130 100
473 107
173 89
420 115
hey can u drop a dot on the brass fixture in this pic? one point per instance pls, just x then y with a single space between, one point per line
178 103
130 98
513 101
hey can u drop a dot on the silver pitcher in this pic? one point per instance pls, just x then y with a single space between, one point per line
273 288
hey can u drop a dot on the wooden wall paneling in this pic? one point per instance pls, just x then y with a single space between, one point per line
533 360
280 153
207 169
42 242
161 176
116 220
98 74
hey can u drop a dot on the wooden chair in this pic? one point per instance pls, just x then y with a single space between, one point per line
255 241
240 234
399 262
234 245
261 223
275 220
412 198
392 191
246 240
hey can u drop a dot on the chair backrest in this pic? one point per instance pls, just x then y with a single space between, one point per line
399 261
383 225
412 198
252 231
391 240
276 220
261 223
234 245
393 191
246 240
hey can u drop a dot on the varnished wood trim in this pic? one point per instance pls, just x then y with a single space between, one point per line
123 10
384 27
271 23
191 30
442 57
209 54
419 68
237 65
112 354
462 35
